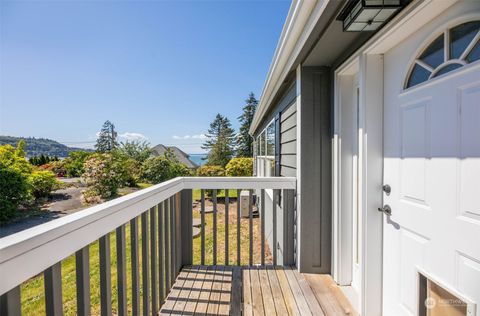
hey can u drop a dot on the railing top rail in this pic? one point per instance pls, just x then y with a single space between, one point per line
239 183
29 252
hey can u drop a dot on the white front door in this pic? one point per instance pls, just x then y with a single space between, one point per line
432 164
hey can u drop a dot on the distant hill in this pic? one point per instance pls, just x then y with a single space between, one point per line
38 146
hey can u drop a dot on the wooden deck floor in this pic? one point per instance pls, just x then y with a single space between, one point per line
222 290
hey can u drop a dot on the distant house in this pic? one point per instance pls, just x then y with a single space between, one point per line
184 158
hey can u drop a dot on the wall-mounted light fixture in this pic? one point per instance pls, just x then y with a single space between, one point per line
367 15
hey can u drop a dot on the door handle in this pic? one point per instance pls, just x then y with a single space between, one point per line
386 209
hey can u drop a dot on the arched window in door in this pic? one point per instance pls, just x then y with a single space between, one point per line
454 48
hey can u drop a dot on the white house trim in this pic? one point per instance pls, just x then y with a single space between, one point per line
303 16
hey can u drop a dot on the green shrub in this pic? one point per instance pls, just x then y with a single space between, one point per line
129 170
239 167
13 157
136 150
74 163
43 182
13 191
102 176
159 169
211 171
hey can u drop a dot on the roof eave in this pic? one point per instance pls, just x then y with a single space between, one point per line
301 19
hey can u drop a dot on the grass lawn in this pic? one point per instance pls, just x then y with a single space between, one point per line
32 291
220 194
232 233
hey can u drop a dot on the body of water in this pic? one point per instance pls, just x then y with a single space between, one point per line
198 158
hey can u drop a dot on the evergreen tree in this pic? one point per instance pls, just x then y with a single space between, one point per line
220 141
20 150
244 140
107 139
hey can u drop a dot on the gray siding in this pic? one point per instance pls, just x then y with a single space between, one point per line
288 141
315 222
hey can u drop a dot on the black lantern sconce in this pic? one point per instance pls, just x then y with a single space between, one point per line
368 15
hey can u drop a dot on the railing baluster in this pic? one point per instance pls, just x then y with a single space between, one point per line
105 276
10 303
145 272
161 267
82 267
153 259
227 202
274 223
262 226
214 227
121 271
53 290
250 226
134 262
238 228
172 242
202 227
166 214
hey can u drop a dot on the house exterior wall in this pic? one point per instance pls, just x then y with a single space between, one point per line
313 221
314 176
288 141
284 117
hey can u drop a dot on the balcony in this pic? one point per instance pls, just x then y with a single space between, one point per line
160 268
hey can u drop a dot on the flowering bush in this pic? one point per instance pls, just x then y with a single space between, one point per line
240 167
102 176
57 167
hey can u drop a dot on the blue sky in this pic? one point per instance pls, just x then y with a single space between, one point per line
157 69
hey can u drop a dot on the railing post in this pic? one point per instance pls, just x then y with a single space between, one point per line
288 229
82 266
134 255
10 303
145 267
105 276
53 290
121 271
161 265
186 227
153 260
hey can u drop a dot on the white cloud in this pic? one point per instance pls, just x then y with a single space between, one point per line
198 136
132 136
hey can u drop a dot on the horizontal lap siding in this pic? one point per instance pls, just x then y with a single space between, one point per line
288 141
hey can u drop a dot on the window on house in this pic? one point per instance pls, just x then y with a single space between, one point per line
453 49
265 159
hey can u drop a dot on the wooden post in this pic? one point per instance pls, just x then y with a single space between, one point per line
186 227
288 223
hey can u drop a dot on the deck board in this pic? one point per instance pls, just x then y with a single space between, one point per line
264 290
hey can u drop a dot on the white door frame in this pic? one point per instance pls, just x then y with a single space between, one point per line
370 60
370 70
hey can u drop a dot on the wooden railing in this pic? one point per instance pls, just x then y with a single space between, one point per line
163 237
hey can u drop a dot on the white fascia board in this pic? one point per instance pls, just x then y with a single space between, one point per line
301 19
